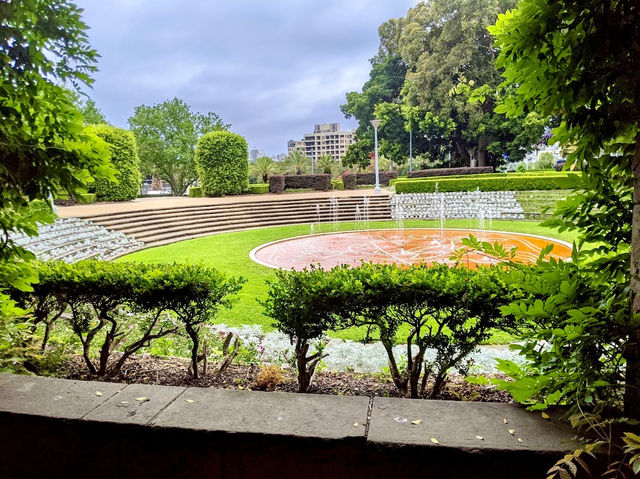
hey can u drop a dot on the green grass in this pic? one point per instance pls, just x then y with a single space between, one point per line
229 252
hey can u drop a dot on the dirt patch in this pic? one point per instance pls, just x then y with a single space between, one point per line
146 369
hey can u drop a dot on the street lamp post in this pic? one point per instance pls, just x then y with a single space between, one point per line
375 124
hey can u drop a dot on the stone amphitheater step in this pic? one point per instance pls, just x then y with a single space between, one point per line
168 225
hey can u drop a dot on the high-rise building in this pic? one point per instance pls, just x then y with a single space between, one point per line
326 139
255 154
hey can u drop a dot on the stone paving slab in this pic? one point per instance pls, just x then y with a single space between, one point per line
456 424
135 404
58 398
290 414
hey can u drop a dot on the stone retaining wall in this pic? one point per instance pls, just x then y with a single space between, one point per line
60 428
457 205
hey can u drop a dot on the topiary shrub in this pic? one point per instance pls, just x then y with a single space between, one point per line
195 192
124 157
222 161
259 188
276 184
449 171
349 181
317 182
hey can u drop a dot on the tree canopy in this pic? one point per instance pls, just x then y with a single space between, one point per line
167 134
44 147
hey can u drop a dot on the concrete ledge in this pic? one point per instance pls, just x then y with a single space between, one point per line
61 428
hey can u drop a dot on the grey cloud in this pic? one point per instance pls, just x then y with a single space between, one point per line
271 69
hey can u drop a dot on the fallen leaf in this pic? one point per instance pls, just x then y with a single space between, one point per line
520 440
480 437
545 416
142 398
240 388
416 422
190 400
434 440
355 424
98 393
505 421
512 431
124 402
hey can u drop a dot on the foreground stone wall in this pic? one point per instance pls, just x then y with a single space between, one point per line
457 205
59 428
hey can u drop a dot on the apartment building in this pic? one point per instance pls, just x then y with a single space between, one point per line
326 139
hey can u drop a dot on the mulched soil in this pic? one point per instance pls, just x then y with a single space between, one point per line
147 369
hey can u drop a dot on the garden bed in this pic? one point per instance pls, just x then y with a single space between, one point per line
148 369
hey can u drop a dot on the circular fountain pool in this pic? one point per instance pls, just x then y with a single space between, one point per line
407 246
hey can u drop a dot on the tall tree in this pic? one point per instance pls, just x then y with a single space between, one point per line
91 113
580 61
43 146
449 52
167 134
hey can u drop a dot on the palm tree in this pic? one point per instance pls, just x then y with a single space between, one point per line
297 161
326 163
264 166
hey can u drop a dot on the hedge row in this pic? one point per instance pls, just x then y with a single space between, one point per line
526 174
397 304
259 188
222 161
126 306
278 183
195 191
449 172
508 183
337 184
351 180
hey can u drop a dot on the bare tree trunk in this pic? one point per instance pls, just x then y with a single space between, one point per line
482 150
632 348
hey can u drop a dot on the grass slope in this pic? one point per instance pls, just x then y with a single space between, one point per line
229 252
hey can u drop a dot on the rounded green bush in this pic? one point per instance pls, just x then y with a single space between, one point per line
195 191
259 188
222 160
124 157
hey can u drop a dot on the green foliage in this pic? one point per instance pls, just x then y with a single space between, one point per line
300 303
259 188
125 306
358 154
195 192
167 134
545 162
587 79
297 163
500 183
263 167
222 160
87 197
327 165
337 184
124 158
43 45
91 113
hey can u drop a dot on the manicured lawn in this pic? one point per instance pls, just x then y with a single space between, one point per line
229 252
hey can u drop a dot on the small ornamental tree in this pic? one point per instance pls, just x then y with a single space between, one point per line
301 305
449 309
124 157
195 293
222 161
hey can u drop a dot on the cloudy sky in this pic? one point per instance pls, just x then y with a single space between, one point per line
271 69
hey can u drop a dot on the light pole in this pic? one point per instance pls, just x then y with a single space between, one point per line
375 124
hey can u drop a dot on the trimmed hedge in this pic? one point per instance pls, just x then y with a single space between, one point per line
351 180
449 172
222 161
276 183
124 157
195 192
259 188
87 198
317 182
512 183
337 184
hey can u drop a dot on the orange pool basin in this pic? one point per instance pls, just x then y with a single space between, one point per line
406 247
